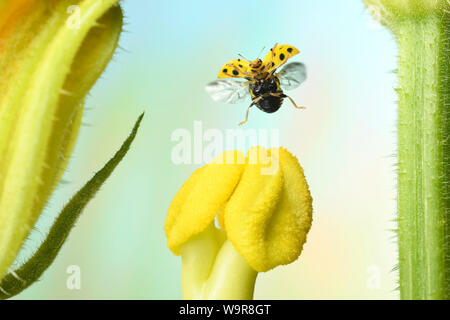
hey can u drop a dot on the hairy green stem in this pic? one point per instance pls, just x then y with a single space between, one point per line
28 273
423 151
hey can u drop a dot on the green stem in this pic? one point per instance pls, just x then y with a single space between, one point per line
423 145
213 269
20 279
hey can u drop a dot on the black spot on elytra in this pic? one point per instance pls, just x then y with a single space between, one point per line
240 66
225 70
282 57
235 72
289 50
273 64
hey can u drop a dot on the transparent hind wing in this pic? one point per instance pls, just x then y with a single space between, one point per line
292 75
228 91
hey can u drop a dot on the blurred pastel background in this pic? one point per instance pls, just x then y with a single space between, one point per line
345 141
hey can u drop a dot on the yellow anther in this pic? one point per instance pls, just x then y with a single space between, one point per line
264 206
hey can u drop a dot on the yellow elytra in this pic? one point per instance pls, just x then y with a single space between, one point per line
275 58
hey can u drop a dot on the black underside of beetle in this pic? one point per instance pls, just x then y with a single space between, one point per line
263 94
269 104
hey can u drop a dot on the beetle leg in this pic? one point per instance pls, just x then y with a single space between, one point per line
240 70
282 95
248 110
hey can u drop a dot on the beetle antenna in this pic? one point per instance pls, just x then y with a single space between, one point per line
259 55
240 55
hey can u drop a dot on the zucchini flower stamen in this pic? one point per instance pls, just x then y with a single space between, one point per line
263 218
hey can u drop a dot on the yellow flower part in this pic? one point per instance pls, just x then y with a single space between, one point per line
51 53
268 216
200 199
264 206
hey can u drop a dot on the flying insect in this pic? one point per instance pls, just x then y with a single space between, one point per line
263 83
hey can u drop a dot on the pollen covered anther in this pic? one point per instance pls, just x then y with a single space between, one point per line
264 205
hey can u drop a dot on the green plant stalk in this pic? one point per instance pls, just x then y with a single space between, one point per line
213 270
28 273
423 164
